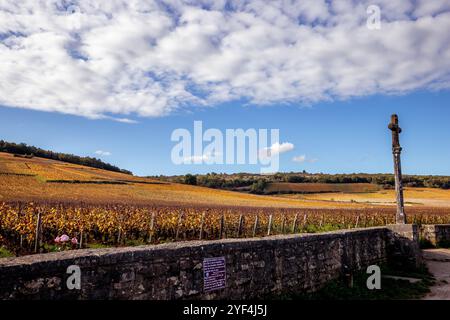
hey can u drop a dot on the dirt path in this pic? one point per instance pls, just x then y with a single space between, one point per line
438 262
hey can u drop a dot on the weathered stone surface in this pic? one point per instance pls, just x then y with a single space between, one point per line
403 246
255 267
436 233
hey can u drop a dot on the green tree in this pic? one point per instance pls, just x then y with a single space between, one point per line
190 179
258 186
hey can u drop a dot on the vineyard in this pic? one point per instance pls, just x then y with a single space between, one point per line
43 201
285 187
29 227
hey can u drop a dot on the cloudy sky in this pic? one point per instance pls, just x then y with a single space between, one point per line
149 67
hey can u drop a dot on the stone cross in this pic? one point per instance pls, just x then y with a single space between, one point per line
400 217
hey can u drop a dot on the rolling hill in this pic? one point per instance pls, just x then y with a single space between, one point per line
44 180
38 179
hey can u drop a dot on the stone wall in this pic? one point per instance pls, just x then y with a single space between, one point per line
255 268
436 234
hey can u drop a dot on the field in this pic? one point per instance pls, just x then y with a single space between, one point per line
414 197
102 208
285 187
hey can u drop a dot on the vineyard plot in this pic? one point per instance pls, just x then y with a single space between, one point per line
29 227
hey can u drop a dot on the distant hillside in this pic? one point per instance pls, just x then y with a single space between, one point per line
45 180
30 151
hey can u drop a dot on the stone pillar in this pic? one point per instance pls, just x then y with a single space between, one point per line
403 251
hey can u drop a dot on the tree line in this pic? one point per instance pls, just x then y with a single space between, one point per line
256 183
30 151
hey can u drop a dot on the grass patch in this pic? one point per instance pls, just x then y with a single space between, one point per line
50 247
391 289
134 242
40 179
443 244
425 244
312 228
97 246
5 253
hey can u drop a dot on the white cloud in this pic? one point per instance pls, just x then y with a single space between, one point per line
303 158
300 159
102 153
275 149
131 58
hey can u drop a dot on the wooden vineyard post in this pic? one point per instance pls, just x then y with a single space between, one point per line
118 236
201 226
152 227
294 223
124 238
180 220
241 222
357 221
321 221
269 227
86 238
400 216
21 235
305 219
37 240
283 224
80 244
255 226
222 226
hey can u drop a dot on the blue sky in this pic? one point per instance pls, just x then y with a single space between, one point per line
114 79
344 137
